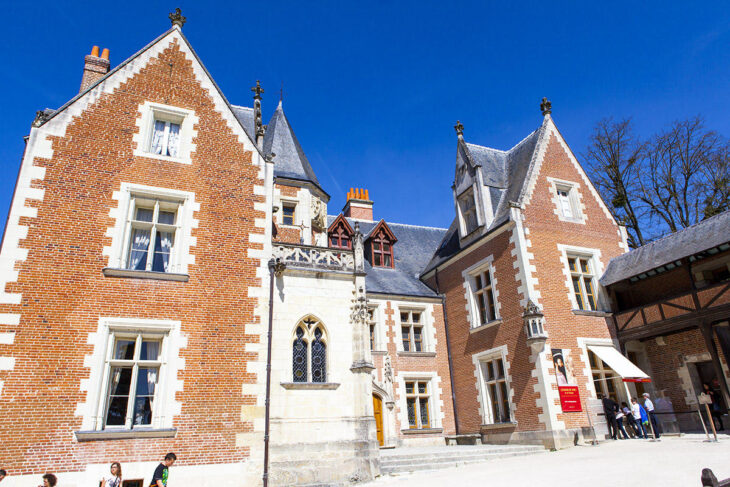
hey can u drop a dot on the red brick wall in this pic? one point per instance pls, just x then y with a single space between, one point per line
64 292
358 212
288 234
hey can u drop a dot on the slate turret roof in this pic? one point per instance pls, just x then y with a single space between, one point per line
705 235
415 246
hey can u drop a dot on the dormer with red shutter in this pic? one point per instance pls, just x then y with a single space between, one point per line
340 234
379 246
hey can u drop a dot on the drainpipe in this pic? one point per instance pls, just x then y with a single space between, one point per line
276 267
448 350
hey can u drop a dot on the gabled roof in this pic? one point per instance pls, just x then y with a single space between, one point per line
246 117
289 160
506 173
340 219
705 235
381 225
415 246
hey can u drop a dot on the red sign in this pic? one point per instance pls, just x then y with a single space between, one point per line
570 399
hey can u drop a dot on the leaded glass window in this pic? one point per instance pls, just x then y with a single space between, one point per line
497 390
299 357
417 404
412 331
581 274
309 352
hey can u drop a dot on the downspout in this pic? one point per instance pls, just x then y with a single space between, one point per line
276 267
448 350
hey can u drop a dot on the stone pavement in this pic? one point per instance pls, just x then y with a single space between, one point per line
672 461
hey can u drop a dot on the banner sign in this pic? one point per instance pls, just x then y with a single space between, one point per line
570 399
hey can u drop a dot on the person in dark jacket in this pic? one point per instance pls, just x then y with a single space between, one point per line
609 409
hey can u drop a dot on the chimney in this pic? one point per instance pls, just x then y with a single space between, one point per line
95 67
358 205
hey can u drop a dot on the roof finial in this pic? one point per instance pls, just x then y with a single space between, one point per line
546 107
459 128
258 121
177 18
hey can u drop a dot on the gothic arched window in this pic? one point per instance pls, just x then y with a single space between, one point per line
309 352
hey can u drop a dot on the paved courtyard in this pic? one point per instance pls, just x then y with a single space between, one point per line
668 462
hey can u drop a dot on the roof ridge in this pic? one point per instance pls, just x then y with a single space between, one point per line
241 106
485 147
672 234
416 226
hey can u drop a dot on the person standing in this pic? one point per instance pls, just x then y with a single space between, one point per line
114 477
159 478
3 473
636 413
629 419
609 410
649 406
714 406
620 422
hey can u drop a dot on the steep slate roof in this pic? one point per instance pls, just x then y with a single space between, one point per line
689 241
505 172
246 118
412 251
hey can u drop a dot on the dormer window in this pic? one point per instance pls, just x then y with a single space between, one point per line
340 234
468 209
380 246
382 250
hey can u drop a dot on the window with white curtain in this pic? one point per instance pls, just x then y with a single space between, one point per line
132 372
152 229
165 138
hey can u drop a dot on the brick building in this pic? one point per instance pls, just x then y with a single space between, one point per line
171 280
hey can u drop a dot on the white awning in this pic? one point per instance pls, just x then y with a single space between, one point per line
620 364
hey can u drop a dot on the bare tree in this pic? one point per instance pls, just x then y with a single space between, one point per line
678 178
614 158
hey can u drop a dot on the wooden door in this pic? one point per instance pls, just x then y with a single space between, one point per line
378 412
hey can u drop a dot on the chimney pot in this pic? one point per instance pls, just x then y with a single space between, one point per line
358 205
105 54
95 68
95 51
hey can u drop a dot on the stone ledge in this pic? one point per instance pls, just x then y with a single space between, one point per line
598 314
511 424
422 431
485 326
125 434
310 386
160 276
415 354
379 352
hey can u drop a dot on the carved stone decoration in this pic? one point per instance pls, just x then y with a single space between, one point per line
359 314
459 127
387 370
321 258
319 215
41 117
258 121
546 107
358 247
177 18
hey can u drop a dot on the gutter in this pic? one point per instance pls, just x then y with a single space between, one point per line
275 267
448 351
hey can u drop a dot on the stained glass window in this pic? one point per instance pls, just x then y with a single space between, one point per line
417 404
299 357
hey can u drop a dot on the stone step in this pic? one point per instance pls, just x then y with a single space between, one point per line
405 456
435 462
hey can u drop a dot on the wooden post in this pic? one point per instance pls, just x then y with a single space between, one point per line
703 425
708 335
712 422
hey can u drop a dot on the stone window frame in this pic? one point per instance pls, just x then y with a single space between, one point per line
151 112
410 324
436 412
418 398
309 337
375 321
575 198
180 256
594 256
471 195
98 384
485 409
469 279
293 203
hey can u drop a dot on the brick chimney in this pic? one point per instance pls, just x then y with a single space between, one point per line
358 205
95 67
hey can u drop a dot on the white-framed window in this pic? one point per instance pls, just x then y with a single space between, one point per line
133 367
496 390
483 292
566 199
288 213
582 276
309 351
468 209
153 229
165 132
418 403
605 381
412 330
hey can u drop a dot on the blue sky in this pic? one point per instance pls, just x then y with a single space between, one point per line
373 89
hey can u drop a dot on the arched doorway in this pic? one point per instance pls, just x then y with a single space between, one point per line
378 413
